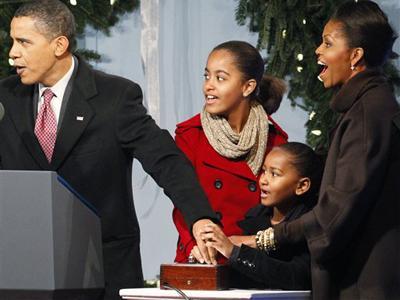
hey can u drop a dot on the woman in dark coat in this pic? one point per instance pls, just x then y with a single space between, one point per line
353 233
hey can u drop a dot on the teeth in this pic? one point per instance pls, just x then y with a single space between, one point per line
319 78
321 63
211 97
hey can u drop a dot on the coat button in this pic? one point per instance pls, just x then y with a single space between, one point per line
218 184
181 246
219 215
252 186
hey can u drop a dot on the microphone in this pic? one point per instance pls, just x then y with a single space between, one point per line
1 111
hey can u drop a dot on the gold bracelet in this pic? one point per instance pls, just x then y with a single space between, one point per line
271 245
258 239
265 241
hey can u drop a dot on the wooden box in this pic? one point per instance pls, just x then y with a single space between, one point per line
194 276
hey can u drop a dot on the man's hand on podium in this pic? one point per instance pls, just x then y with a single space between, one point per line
201 252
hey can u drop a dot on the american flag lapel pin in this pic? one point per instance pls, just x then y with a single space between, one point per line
79 118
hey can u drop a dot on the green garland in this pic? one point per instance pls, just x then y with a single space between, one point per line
290 31
99 14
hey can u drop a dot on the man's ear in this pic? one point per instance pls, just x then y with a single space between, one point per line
61 45
248 87
303 185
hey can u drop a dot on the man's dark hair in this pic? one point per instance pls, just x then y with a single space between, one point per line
52 18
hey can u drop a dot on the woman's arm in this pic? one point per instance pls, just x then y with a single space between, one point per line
294 274
355 177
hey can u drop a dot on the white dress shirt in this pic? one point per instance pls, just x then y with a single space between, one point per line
58 89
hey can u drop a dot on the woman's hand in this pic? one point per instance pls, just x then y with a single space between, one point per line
215 238
248 240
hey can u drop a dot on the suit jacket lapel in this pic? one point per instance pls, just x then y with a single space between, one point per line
22 115
77 115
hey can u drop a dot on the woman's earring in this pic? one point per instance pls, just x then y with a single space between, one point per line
352 68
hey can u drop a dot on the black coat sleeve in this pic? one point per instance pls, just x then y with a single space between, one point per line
361 146
140 137
292 274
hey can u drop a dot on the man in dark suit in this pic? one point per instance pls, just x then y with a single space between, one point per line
88 126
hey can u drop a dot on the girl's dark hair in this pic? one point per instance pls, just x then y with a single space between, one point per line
365 25
270 90
308 164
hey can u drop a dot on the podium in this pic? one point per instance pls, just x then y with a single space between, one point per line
50 239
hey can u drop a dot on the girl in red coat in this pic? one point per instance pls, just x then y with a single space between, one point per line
228 140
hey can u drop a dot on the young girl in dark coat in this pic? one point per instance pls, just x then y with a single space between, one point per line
289 183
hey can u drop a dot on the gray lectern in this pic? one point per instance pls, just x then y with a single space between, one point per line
50 241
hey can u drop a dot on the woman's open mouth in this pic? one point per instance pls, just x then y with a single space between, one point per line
324 68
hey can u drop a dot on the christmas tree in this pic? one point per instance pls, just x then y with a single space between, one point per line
100 14
290 31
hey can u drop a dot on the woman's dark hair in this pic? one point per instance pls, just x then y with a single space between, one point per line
365 25
270 90
308 164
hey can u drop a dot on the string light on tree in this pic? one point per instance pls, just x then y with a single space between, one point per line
299 69
312 115
316 132
73 2
300 57
284 33
11 62
304 21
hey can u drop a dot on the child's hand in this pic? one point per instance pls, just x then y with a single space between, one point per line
216 238
196 255
248 240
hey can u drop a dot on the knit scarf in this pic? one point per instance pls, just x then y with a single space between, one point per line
250 143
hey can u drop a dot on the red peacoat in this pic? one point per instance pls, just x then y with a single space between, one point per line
230 185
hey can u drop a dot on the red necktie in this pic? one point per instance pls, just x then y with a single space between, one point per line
46 125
